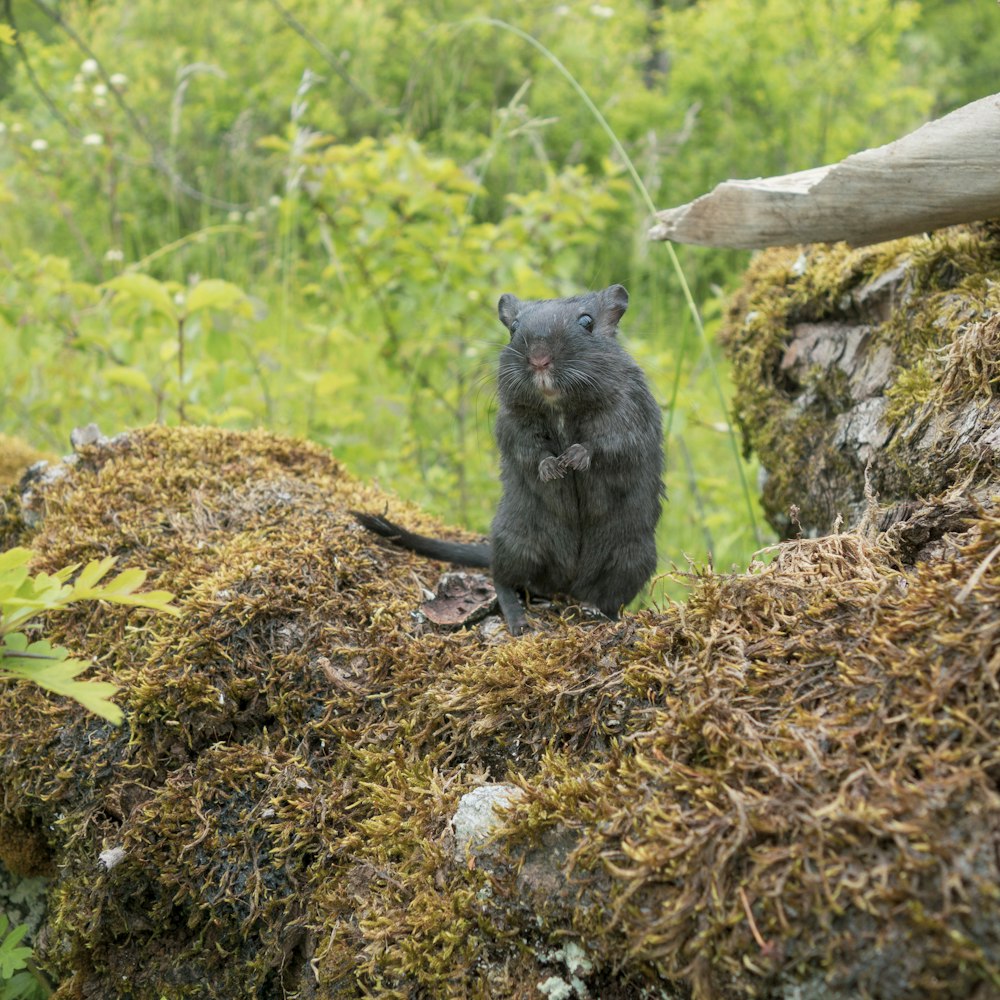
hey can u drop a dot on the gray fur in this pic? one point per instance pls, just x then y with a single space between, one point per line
581 460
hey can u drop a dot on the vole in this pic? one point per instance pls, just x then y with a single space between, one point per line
581 461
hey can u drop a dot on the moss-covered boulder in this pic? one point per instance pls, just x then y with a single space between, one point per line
786 787
885 358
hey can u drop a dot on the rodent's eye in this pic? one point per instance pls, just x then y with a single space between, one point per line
587 322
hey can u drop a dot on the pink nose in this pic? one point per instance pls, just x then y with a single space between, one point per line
540 362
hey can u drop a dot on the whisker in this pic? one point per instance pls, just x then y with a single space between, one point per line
579 378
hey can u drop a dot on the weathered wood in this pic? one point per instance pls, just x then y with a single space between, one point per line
946 172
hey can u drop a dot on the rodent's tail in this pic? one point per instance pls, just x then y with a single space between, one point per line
476 554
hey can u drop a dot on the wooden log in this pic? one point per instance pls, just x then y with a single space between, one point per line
946 172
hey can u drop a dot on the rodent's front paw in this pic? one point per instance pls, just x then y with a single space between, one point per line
575 457
549 468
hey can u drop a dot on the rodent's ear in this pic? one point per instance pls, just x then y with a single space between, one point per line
614 302
508 307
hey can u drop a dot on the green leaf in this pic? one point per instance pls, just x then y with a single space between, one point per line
13 558
126 582
23 596
233 414
12 956
121 589
133 378
11 581
143 288
23 986
52 668
94 571
17 655
213 293
6 35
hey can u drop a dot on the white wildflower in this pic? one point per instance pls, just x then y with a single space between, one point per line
119 80
39 145
100 90
274 201
599 10
250 217
3 127
93 139
234 216
89 67
114 255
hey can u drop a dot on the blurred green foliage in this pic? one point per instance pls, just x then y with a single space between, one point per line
17 982
302 214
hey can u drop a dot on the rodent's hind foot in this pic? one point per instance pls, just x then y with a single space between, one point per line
587 614
518 627
510 607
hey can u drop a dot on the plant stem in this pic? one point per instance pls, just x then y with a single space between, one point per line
180 370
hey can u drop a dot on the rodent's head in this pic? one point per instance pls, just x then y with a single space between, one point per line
559 348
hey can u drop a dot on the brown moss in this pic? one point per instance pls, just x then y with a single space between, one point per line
70 989
810 786
24 847
790 778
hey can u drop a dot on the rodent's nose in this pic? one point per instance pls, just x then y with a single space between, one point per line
540 362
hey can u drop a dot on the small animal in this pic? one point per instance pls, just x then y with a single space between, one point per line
581 461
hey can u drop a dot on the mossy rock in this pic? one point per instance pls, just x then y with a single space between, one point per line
786 786
885 358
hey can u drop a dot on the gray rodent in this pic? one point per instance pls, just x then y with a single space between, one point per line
581 461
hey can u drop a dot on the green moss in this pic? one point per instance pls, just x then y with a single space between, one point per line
796 771
913 388
940 330
782 288
951 278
